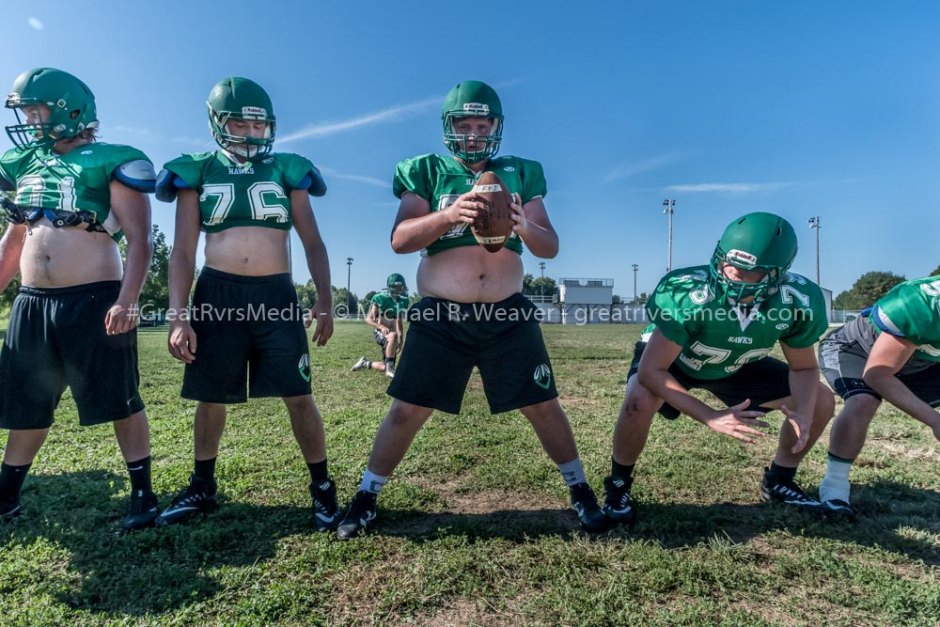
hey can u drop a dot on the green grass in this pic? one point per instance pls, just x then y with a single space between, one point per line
474 526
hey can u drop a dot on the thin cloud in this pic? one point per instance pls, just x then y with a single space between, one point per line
368 180
733 188
149 134
626 170
391 114
35 23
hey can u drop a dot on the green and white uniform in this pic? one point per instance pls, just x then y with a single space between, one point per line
442 179
911 310
390 306
718 339
254 193
78 181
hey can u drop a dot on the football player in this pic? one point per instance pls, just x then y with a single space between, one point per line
713 327
890 353
385 317
472 312
245 329
74 321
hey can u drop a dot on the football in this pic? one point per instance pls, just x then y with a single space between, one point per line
493 226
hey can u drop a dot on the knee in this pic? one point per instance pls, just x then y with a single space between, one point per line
639 405
392 336
861 407
825 403
406 416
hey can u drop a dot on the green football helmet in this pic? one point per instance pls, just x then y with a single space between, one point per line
396 284
757 241
472 99
70 101
238 98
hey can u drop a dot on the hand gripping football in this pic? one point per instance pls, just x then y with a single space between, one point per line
493 226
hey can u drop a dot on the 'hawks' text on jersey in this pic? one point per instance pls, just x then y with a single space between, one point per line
718 339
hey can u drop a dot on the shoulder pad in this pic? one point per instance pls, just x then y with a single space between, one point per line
168 185
137 174
313 182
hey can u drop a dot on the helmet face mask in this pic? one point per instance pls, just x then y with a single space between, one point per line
70 104
239 98
472 99
756 242
396 284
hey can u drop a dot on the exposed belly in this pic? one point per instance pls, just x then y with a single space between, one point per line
61 257
248 251
470 274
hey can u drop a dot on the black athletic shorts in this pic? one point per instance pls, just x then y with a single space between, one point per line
844 352
762 381
249 334
57 338
447 339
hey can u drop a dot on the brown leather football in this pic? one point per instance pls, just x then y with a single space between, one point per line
493 225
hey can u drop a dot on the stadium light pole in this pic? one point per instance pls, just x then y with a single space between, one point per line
636 267
349 261
542 284
814 224
670 207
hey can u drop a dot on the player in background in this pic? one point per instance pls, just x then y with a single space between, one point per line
385 317
891 353
472 312
713 328
246 199
74 322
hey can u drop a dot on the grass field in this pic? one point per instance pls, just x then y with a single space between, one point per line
474 527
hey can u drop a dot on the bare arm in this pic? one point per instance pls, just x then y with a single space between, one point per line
132 210
318 263
11 249
887 357
654 375
534 227
416 226
804 388
182 340
373 319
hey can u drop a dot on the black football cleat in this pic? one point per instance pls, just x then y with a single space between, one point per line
142 512
9 510
619 505
361 512
787 492
325 509
198 496
584 502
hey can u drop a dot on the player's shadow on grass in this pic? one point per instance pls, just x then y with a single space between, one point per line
151 570
894 517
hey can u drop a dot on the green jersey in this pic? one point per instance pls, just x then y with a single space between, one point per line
718 339
254 193
440 180
911 310
390 306
79 180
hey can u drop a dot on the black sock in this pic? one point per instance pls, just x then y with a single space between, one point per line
140 475
11 481
621 470
390 361
782 472
318 473
840 459
205 469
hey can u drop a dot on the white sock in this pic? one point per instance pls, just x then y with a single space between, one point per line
835 485
371 482
573 472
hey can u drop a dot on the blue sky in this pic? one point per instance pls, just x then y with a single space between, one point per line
800 108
